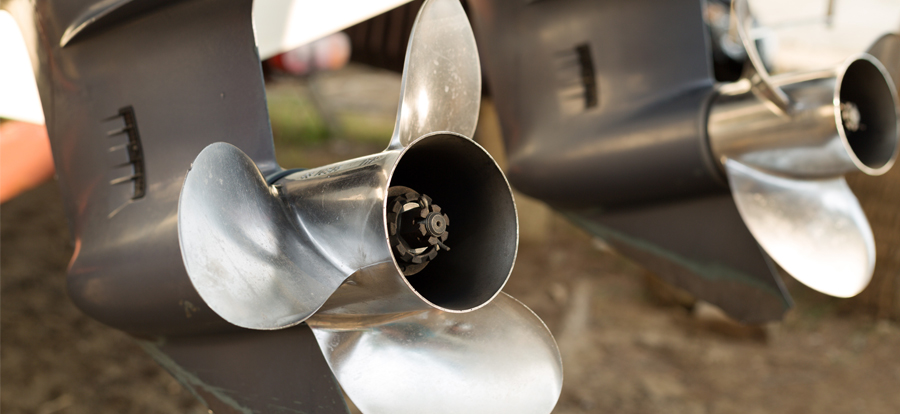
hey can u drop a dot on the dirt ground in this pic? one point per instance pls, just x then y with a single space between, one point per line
625 349
628 345
53 358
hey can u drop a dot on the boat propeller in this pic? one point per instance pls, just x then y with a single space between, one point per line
410 318
785 142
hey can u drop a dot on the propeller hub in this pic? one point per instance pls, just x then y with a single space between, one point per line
417 229
435 224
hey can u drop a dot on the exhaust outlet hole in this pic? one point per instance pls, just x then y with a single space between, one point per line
477 221
868 115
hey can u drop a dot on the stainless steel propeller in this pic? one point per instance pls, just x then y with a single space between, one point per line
785 143
395 260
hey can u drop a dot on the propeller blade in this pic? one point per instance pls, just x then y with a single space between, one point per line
887 50
814 229
499 358
245 257
763 86
441 86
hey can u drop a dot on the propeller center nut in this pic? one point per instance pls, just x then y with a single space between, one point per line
435 224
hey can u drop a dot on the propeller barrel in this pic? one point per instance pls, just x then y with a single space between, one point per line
347 209
841 121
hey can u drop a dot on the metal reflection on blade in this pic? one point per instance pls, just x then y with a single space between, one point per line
243 254
500 358
441 85
814 229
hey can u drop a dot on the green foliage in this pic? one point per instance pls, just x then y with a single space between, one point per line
295 119
366 128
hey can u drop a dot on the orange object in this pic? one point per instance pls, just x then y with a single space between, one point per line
25 157
331 52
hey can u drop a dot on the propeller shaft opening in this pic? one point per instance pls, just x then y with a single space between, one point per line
867 115
455 173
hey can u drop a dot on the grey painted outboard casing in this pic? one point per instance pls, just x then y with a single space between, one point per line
611 114
603 106
174 76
